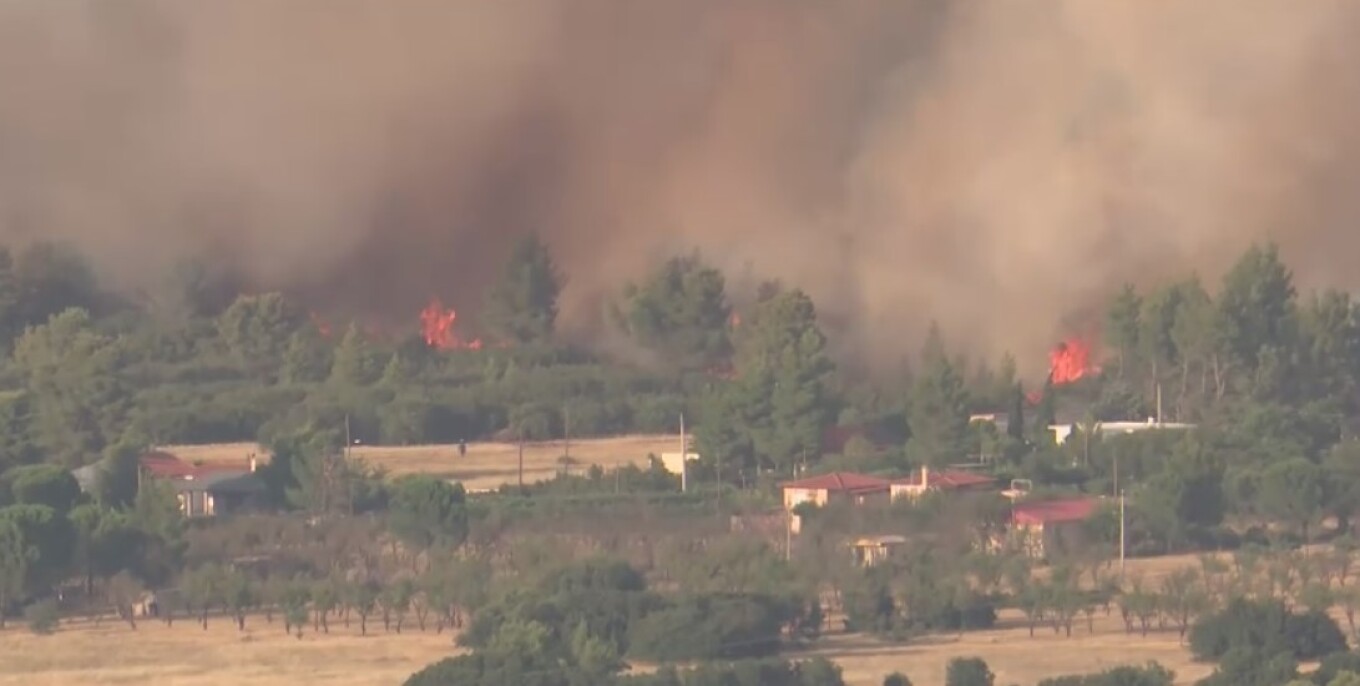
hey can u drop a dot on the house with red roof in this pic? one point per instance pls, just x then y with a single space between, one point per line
927 480
207 489
823 490
1039 528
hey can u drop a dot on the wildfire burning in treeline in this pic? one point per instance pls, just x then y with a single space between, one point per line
436 324
1070 362
436 327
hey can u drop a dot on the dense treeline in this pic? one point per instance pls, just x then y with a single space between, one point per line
196 362
1270 378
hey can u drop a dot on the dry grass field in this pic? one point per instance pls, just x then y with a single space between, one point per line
486 465
81 654
1011 653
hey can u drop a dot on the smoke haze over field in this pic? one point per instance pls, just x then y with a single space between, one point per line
996 166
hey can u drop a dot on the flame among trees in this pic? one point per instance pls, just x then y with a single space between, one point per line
1254 337
1275 372
1070 362
437 327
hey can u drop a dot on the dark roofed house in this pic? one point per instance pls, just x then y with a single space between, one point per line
207 490
1042 527
219 493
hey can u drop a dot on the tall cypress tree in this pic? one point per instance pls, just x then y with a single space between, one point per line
522 306
1015 423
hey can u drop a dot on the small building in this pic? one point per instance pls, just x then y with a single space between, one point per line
1040 528
1000 420
871 550
87 477
206 490
219 493
927 480
823 490
674 462
1061 432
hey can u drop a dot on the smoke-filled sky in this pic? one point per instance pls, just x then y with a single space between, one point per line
995 166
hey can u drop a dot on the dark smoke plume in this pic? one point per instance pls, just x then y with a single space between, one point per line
994 166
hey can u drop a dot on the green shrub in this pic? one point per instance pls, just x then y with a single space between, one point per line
42 617
968 671
1334 664
815 672
1151 674
719 626
896 679
1266 628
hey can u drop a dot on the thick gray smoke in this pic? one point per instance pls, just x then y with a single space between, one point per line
994 166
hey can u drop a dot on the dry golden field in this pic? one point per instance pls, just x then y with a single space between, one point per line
486 465
81 654
1011 653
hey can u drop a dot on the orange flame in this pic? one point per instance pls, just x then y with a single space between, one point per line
436 323
1070 362
322 326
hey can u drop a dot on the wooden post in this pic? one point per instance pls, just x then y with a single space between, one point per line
1121 534
684 463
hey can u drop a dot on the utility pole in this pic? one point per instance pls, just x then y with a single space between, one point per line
717 469
566 428
1116 474
1159 403
349 492
684 463
1121 535
521 464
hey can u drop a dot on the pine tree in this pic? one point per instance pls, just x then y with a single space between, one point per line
399 371
307 359
938 409
522 306
781 396
1015 423
682 313
1046 414
354 363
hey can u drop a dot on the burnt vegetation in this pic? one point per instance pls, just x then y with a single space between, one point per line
566 581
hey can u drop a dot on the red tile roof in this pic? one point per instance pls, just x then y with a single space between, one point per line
1054 511
948 479
840 482
163 465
